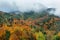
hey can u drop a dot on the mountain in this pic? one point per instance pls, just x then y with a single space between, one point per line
44 17
29 14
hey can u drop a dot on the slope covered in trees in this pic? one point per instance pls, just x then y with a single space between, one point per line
29 25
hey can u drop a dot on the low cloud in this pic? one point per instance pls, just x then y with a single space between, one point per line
25 5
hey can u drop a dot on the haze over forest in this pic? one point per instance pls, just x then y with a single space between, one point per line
26 5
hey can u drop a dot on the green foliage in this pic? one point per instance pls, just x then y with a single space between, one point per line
7 35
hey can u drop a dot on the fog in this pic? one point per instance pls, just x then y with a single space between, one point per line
26 5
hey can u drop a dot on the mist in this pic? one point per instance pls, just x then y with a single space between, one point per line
27 5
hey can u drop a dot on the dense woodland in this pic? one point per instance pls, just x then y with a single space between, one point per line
29 25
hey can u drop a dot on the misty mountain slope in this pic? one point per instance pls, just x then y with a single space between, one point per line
42 16
30 14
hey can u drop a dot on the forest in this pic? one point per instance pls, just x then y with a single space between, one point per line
29 25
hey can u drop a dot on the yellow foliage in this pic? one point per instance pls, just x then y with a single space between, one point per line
58 34
39 36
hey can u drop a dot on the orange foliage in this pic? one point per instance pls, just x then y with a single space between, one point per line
13 37
22 26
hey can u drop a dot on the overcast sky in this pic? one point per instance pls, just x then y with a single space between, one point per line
24 5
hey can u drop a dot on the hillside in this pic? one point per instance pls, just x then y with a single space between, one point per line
23 25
